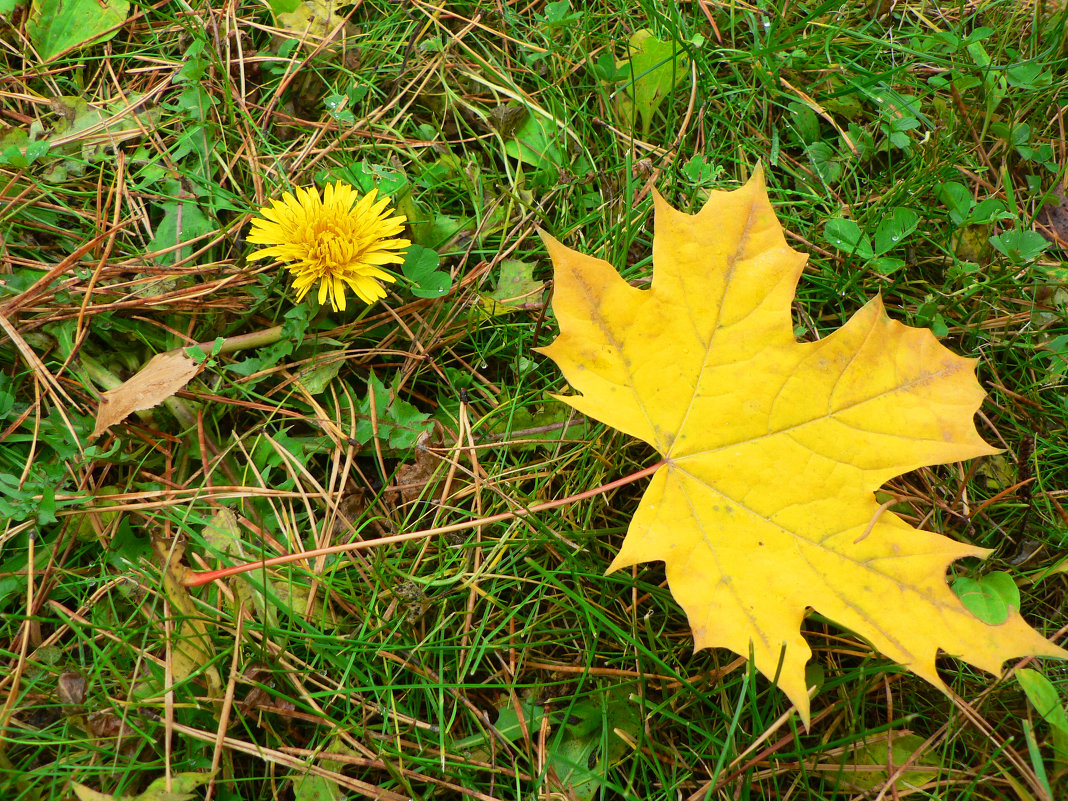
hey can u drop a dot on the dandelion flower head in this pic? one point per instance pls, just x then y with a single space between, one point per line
338 240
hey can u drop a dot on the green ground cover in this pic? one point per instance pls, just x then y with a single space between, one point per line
913 149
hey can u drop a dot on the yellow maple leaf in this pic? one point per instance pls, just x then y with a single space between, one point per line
772 449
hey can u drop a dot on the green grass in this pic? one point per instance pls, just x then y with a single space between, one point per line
385 670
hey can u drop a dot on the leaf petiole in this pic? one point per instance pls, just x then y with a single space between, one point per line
199 578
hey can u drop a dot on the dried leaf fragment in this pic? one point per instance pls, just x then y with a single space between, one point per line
71 688
419 479
1054 216
192 650
165 374
181 787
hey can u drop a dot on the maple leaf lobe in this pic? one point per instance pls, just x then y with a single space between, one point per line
763 507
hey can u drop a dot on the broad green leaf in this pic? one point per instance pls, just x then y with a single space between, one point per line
183 221
885 264
584 740
12 569
535 143
399 423
868 764
1020 246
589 744
317 377
700 170
58 25
516 289
1043 697
127 547
18 150
826 161
559 13
510 725
896 224
421 268
283 6
312 787
847 236
804 122
653 68
990 597
1029 75
958 201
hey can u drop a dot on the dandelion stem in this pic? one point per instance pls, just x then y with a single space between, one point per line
256 339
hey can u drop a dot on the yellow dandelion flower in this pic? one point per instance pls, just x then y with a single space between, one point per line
338 240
